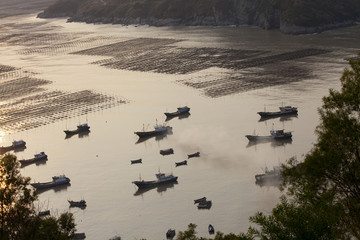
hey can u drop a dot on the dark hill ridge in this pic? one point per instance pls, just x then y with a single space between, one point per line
291 16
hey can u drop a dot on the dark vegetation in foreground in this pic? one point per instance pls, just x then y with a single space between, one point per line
291 16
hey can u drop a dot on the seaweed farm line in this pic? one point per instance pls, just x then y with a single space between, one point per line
122 79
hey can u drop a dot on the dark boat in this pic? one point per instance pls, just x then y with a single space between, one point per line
44 213
167 151
57 180
158 130
170 234
204 205
197 154
203 199
180 111
211 229
15 145
274 135
80 128
161 178
287 110
136 161
180 163
79 236
269 176
37 157
80 204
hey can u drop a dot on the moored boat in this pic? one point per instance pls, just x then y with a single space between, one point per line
80 128
80 204
205 204
203 199
15 145
57 180
286 110
161 178
211 229
170 234
158 130
167 151
180 163
180 111
269 175
37 157
197 154
136 161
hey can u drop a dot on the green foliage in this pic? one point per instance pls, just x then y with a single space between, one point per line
18 217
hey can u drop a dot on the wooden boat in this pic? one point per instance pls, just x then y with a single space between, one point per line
211 229
287 110
80 204
161 178
180 111
197 154
158 130
167 151
136 161
80 128
15 145
180 163
170 234
204 205
37 157
203 199
44 213
57 180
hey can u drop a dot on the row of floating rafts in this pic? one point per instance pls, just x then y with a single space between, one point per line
168 152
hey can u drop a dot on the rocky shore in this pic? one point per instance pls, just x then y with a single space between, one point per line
259 13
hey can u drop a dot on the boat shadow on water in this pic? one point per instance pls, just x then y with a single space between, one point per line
284 118
80 134
274 143
160 188
182 116
58 188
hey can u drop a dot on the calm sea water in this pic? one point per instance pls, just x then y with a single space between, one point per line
99 164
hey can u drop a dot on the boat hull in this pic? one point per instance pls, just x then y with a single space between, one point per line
148 184
50 184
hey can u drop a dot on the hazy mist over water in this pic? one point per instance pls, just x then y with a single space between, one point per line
121 78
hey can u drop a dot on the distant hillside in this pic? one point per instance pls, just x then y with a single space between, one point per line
290 16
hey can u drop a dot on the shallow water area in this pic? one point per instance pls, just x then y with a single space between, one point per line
121 79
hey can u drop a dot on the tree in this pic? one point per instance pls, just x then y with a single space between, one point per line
323 193
18 217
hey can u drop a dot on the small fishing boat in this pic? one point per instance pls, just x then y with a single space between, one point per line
136 161
80 204
57 180
286 110
180 163
170 234
44 213
197 154
79 236
205 204
180 111
15 145
167 151
161 178
269 175
203 199
211 229
158 130
37 157
80 128
274 135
